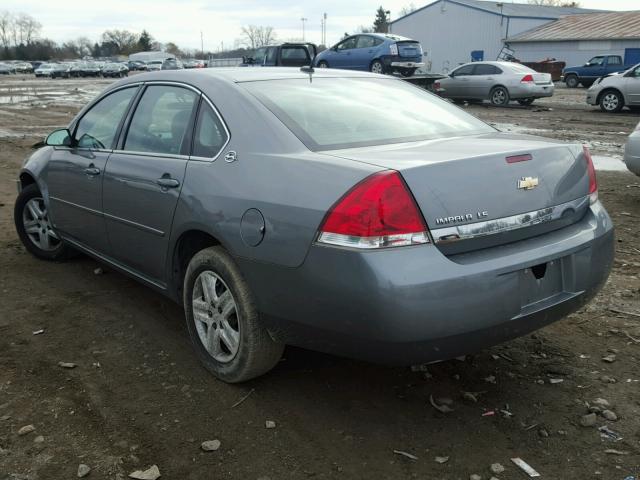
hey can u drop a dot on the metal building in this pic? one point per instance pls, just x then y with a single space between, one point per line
458 31
574 39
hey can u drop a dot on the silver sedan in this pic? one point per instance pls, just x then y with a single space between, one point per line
632 151
498 82
616 91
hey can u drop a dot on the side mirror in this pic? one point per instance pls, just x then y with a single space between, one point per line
59 138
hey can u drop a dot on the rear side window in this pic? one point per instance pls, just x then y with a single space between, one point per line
484 69
210 135
159 124
295 56
97 129
615 60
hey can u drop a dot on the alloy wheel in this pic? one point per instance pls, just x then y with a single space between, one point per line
376 67
37 225
610 101
216 317
499 97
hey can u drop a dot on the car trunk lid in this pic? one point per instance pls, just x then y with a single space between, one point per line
481 191
542 78
409 48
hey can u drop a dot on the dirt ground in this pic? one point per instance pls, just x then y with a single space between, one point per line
138 396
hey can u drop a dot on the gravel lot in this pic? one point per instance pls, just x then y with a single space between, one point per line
138 397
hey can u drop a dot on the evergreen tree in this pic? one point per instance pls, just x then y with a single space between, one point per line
381 23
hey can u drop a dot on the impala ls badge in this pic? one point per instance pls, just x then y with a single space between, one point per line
528 183
231 156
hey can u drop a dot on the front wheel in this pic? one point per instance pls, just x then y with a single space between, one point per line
499 96
376 67
223 321
526 101
34 227
611 101
572 81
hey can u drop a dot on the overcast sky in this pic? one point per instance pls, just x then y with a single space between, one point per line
180 21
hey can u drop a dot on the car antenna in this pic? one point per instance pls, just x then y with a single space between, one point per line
308 69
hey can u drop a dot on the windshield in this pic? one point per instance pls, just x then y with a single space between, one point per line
332 113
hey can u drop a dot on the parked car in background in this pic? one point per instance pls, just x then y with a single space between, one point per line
632 151
374 52
24 67
86 69
597 67
134 65
420 232
61 70
6 69
617 90
44 70
154 65
285 55
115 70
172 64
498 82
194 63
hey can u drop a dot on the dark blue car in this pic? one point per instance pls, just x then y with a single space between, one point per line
374 52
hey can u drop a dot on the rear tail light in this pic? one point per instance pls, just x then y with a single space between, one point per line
528 78
393 49
593 182
378 212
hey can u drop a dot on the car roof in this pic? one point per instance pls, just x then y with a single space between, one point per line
250 74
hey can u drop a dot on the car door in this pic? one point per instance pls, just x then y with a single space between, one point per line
144 176
341 57
364 52
485 77
75 175
457 84
594 68
632 87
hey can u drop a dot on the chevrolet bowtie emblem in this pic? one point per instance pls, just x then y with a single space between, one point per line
528 183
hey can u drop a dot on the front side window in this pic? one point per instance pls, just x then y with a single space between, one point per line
596 61
210 135
161 119
464 70
259 56
97 129
348 44
401 112
272 53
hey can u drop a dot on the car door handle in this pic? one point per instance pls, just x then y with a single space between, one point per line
92 170
168 182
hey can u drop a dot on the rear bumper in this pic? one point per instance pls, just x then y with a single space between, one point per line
413 305
392 62
526 90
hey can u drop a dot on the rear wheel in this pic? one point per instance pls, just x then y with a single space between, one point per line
34 226
499 96
611 101
376 67
323 64
572 81
223 321
407 72
526 101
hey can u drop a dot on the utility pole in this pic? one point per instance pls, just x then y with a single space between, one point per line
388 13
303 20
201 44
324 29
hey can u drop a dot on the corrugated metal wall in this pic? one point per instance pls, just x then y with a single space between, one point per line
574 52
449 32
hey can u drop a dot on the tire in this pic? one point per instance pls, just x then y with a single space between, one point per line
407 72
376 67
323 64
34 227
499 96
248 351
526 101
611 101
572 81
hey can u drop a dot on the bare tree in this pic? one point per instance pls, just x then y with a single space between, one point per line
257 36
407 9
6 22
27 29
124 40
555 3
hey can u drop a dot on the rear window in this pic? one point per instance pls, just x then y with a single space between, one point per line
519 68
333 113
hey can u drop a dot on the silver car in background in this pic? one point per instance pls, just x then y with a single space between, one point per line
632 151
498 82
616 91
